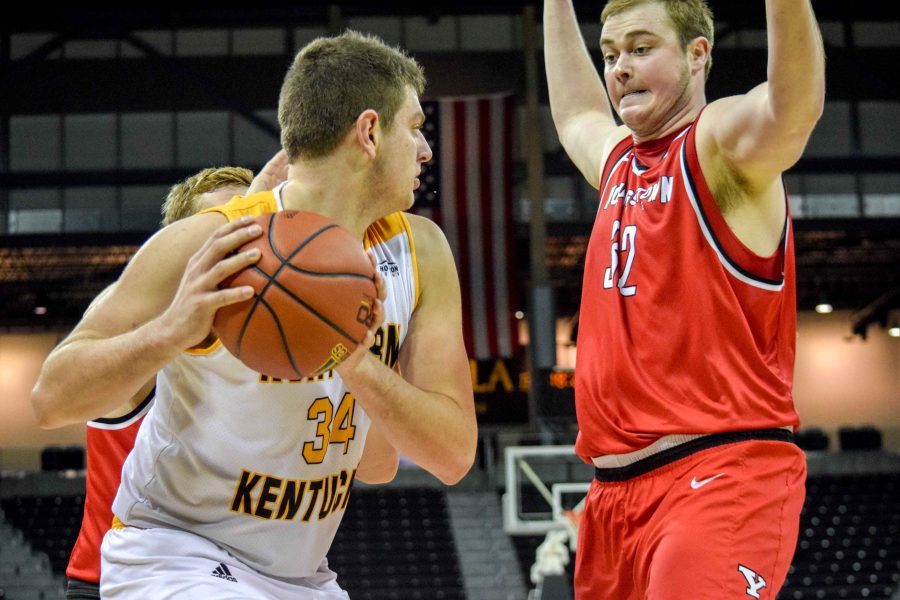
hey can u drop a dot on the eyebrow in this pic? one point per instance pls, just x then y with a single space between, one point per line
630 35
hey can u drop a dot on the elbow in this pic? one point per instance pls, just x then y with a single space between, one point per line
41 404
816 108
379 476
454 472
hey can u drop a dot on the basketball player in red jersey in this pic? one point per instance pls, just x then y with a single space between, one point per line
110 438
688 318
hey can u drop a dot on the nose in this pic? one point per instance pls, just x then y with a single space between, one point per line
424 151
621 70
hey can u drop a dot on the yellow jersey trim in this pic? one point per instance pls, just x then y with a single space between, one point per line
385 228
201 350
414 260
252 205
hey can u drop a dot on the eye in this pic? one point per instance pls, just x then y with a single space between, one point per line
609 59
642 50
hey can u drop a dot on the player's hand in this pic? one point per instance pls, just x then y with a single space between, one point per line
188 319
376 319
274 172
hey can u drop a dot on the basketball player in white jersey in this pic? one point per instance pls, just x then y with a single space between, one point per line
237 483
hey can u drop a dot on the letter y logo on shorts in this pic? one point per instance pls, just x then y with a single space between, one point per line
755 582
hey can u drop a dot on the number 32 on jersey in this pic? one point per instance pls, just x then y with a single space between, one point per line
623 240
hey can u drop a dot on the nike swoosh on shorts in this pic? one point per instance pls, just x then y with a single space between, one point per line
699 484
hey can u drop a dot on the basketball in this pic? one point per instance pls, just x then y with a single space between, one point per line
314 293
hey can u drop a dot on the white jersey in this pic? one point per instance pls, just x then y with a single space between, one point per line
260 466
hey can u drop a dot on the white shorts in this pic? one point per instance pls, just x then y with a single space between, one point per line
167 563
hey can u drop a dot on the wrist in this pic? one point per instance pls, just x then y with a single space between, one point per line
160 340
358 367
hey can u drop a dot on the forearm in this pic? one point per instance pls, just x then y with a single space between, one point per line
86 378
572 80
429 428
796 62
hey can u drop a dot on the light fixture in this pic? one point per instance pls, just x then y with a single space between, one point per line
823 308
40 310
893 323
520 315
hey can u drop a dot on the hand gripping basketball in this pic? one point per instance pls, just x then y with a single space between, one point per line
314 297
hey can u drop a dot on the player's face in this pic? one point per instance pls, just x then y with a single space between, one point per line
403 153
647 72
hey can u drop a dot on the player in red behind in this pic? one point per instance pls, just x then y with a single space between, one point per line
110 438
688 318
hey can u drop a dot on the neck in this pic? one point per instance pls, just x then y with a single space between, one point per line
684 112
333 193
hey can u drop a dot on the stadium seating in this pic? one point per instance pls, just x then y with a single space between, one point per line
849 545
394 543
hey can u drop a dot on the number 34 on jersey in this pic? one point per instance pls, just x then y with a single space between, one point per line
334 426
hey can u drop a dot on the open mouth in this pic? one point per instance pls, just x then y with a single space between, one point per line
634 93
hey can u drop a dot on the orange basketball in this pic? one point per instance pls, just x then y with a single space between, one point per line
314 293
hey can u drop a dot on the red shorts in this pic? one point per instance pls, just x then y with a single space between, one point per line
719 524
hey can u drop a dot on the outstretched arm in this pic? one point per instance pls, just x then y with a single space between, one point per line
759 135
578 101
428 414
163 303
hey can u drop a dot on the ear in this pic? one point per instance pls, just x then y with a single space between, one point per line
698 52
368 130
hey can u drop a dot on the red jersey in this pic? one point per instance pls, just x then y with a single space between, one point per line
683 329
108 442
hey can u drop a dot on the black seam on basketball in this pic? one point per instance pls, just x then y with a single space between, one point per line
305 243
327 274
257 298
322 317
284 261
284 342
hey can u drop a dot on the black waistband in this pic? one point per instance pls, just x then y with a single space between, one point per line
79 589
645 465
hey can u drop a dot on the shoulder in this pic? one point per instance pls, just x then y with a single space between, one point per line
429 239
711 117
423 227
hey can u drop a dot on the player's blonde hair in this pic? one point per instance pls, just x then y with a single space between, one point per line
690 19
181 200
332 81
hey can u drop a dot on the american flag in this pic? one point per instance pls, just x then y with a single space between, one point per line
467 190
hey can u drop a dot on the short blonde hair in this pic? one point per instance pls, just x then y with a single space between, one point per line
690 19
332 81
181 200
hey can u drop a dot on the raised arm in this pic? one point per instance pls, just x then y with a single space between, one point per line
428 415
578 101
163 303
752 139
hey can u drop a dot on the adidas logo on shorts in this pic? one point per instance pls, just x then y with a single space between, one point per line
222 572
